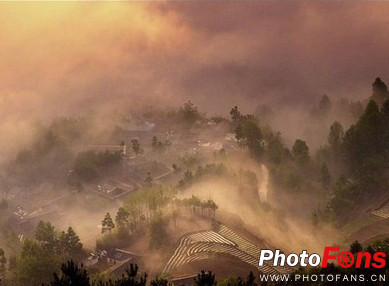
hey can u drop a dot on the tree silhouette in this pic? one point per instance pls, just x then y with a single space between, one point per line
159 282
131 277
380 91
107 223
70 244
122 217
248 134
364 141
136 146
189 113
250 281
205 278
355 247
45 233
72 274
235 114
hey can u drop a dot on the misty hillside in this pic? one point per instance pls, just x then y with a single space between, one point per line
179 137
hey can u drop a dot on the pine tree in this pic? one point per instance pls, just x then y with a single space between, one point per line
70 243
71 274
107 223
46 234
122 217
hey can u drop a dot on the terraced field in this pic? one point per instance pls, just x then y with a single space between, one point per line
383 211
204 244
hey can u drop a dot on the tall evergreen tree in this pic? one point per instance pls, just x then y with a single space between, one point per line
122 217
107 223
71 244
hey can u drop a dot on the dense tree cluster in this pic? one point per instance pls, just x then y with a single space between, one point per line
246 181
41 256
364 151
349 171
248 132
48 155
202 172
198 206
158 230
140 210
73 274
289 167
189 114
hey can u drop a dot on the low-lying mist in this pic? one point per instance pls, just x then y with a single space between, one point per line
272 220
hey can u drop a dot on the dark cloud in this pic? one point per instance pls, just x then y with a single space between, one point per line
287 50
68 57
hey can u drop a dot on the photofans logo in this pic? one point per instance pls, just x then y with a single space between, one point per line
344 259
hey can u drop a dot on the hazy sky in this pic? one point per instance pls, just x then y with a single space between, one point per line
59 57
